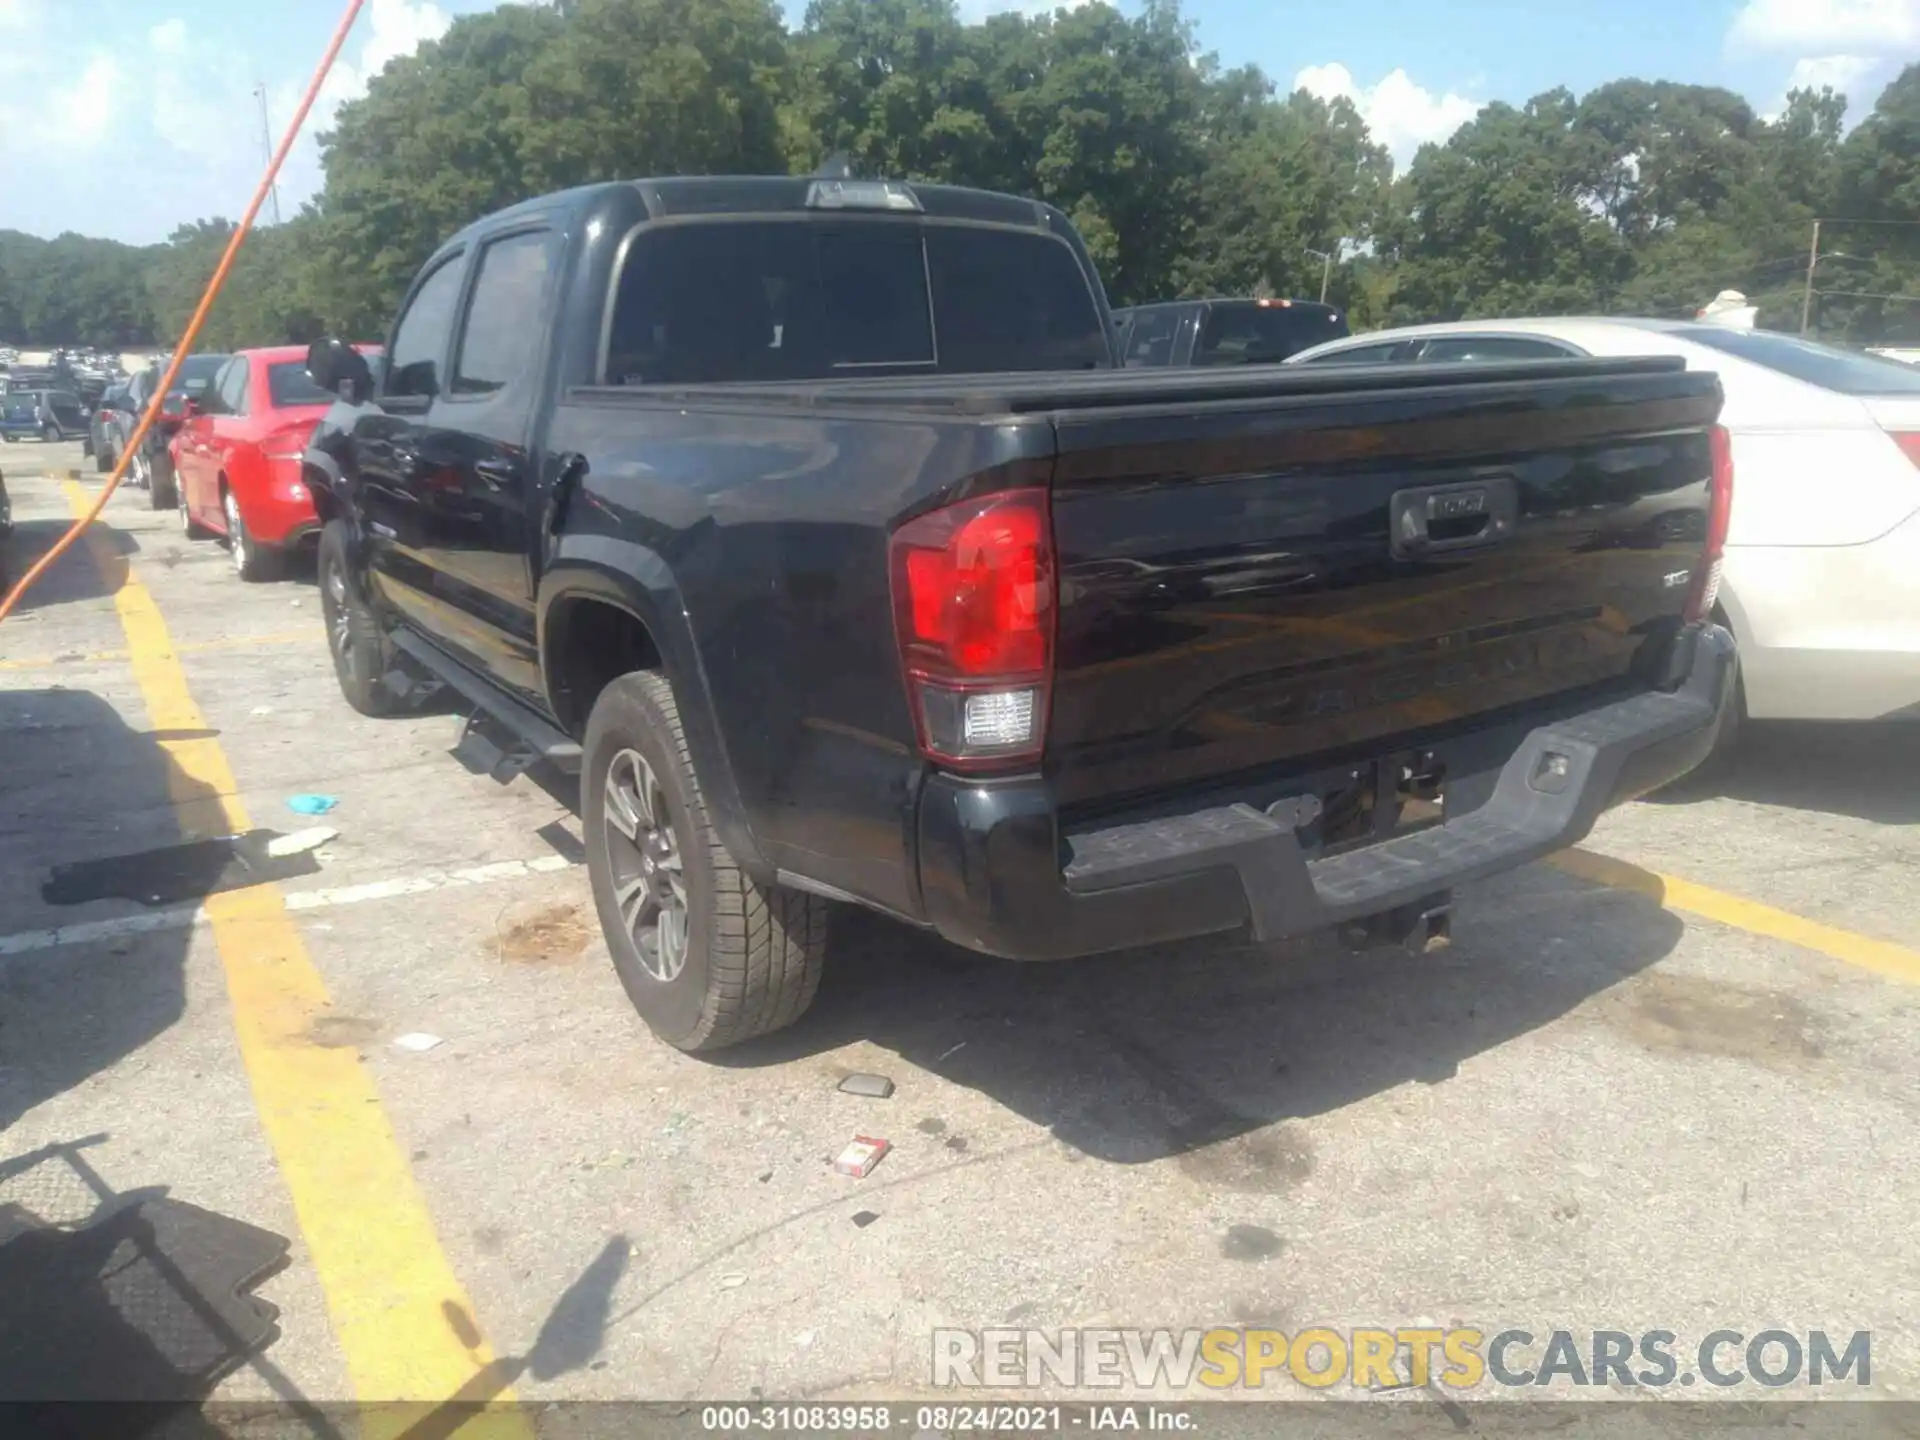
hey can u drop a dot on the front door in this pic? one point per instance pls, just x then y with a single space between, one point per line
458 471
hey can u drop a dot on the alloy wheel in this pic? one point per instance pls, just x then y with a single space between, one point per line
649 878
334 601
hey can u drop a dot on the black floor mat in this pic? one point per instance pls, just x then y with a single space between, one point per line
147 1304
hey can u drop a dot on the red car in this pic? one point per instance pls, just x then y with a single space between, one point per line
237 457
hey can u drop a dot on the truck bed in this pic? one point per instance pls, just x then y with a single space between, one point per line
1030 393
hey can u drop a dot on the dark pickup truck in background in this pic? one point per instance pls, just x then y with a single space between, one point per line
1205 333
814 524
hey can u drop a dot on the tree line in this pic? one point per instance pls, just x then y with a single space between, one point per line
1185 177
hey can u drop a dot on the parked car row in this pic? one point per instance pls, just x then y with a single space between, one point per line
47 415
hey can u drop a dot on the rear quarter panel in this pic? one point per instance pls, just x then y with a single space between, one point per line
772 525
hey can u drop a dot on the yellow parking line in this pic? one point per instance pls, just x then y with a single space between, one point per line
397 1310
1882 957
231 642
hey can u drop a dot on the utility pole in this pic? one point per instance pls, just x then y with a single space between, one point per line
266 145
1326 271
1806 300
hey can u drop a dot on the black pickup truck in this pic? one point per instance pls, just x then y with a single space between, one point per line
815 526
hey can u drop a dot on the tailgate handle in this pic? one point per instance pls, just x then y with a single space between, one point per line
1439 518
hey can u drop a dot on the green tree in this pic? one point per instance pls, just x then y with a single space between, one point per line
1282 179
1878 184
436 142
1501 220
631 88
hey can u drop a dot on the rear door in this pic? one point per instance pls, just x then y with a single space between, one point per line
1259 586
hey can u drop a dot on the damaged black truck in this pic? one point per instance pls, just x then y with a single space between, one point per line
814 526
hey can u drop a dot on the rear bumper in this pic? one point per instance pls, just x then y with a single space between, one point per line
1829 632
998 875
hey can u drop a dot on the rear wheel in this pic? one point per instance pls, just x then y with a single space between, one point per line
354 634
252 561
708 956
103 460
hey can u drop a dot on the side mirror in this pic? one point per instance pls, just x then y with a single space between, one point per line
336 366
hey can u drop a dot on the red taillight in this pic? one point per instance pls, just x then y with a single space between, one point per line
1706 578
973 603
1909 441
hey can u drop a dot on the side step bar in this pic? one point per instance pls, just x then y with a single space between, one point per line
545 740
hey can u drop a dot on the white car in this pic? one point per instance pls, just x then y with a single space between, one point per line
1821 583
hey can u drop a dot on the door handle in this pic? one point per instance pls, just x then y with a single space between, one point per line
496 471
1439 518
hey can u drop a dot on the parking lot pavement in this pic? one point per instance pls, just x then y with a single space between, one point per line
1589 1112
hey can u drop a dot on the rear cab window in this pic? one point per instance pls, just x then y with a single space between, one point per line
805 299
1255 333
1150 338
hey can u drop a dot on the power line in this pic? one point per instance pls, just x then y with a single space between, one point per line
1828 220
1868 295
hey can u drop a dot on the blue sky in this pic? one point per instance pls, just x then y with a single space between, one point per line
128 117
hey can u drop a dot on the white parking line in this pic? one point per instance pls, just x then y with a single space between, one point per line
88 932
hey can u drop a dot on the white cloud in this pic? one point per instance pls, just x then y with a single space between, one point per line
1842 72
175 101
1401 115
1828 27
394 28
87 107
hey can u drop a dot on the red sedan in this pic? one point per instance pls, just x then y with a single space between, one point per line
237 457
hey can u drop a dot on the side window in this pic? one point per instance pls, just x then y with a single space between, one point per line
420 339
503 313
1150 341
1361 355
1492 347
228 393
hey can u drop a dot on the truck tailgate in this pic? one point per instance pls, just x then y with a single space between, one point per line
1258 584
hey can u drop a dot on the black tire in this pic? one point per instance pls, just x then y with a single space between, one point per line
103 461
752 953
189 526
355 636
252 561
161 491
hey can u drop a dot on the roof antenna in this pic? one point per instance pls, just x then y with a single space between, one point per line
837 166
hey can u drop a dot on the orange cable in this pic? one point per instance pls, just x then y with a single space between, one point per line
132 447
